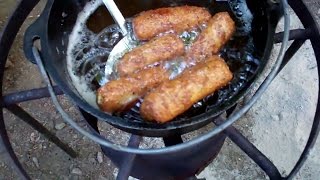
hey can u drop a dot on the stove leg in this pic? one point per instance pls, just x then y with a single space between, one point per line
7 152
195 178
172 140
249 149
291 51
91 120
126 166
26 117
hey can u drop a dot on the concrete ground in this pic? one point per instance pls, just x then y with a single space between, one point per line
278 124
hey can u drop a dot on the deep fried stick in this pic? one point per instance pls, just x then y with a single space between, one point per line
150 23
174 97
122 94
219 30
157 50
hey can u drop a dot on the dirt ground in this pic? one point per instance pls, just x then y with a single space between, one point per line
278 124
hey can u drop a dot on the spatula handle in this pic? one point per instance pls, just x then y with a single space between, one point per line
116 15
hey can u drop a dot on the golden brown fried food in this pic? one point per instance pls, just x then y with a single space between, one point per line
174 97
150 23
121 94
219 30
159 49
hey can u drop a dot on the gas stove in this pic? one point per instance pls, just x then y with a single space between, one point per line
163 163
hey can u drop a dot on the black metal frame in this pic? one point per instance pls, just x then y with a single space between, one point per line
9 101
47 28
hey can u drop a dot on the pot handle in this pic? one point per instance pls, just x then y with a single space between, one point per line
276 11
36 31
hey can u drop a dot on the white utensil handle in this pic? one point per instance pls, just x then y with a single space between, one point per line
116 15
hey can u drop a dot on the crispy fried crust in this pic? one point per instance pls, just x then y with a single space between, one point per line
174 97
150 23
219 30
121 94
159 49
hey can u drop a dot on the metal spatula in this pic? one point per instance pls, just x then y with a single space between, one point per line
116 15
123 44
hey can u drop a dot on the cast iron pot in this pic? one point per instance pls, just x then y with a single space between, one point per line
51 31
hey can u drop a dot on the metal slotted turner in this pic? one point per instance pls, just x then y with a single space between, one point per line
123 44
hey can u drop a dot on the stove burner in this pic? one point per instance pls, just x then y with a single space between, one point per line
163 162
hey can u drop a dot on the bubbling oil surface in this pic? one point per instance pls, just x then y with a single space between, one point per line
88 53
